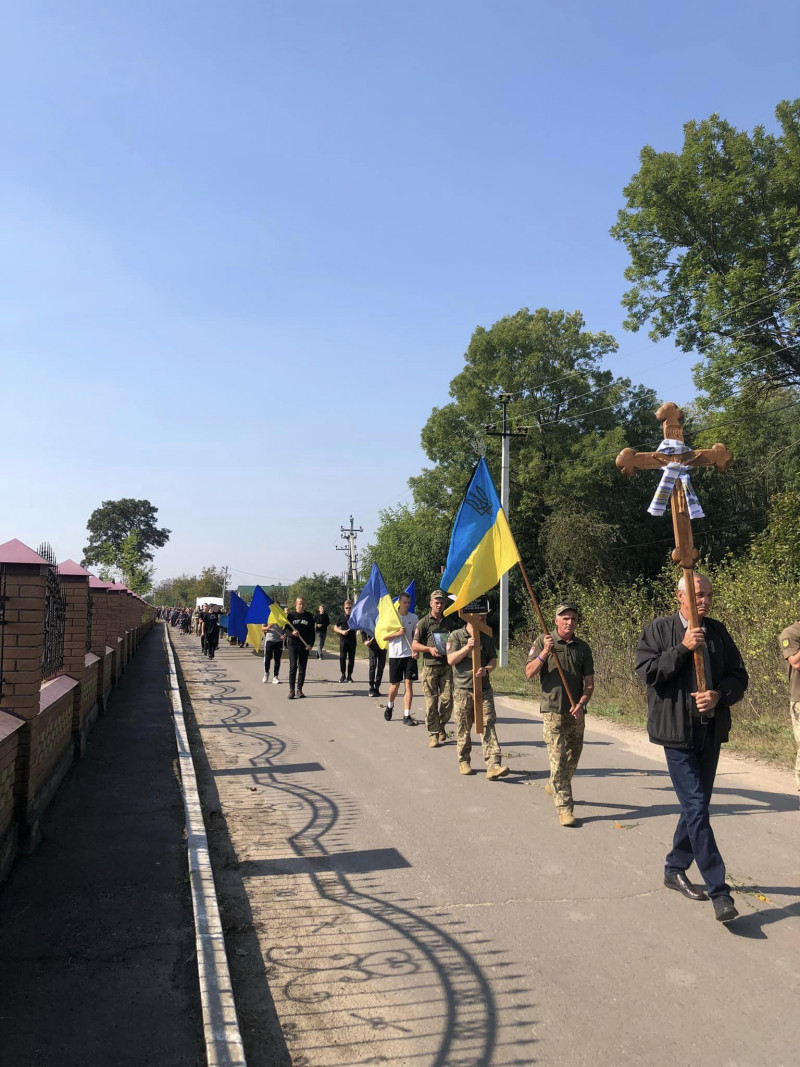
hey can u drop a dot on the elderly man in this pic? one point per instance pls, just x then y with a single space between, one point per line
563 721
691 724
430 639
790 650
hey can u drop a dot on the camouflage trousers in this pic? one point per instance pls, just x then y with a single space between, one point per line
437 688
795 713
564 737
464 715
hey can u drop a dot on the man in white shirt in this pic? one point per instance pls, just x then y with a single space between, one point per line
402 661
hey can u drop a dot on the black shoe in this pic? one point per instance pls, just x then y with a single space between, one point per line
290 694
300 694
387 712
349 678
372 693
343 679
680 882
376 692
724 909
408 721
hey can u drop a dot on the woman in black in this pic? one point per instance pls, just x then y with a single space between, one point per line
300 633
347 643
321 624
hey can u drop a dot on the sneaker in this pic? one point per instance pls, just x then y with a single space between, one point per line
442 737
264 678
343 679
433 741
349 678
371 693
300 694
566 818
387 712
276 680
724 909
497 770
290 694
408 721
376 692
464 767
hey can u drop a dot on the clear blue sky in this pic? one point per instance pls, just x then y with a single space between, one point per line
246 242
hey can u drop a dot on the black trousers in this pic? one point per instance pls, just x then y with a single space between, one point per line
347 657
377 662
298 658
212 641
272 654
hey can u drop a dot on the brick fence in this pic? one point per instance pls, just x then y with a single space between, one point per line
44 723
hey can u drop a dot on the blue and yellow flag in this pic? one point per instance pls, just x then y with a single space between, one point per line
411 590
237 614
263 611
374 611
482 546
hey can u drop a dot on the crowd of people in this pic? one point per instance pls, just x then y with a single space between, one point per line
690 723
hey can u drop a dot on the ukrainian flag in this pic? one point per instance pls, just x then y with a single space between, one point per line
237 613
374 611
482 546
263 611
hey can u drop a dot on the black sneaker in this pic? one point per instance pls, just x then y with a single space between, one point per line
343 679
371 693
408 721
300 694
290 694
387 712
349 678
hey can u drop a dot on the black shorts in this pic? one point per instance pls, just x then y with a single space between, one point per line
403 669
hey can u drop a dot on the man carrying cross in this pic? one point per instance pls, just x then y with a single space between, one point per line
692 669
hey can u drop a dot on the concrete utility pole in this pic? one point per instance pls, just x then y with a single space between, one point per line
224 584
349 535
505 434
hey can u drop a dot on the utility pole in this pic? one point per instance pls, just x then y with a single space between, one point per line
224 584
349 535
506 435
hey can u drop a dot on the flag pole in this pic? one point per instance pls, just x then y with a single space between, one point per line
545 631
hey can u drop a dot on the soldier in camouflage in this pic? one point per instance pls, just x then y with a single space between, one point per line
459 656
563 721
430 640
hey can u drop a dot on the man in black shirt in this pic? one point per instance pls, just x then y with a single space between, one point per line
321 624
210 630
300 633
347 643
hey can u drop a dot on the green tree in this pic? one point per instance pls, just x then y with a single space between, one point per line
713 233
319 588
410 543
110 526
137 575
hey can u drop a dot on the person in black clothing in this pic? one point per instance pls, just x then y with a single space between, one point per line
300 633
321 623
201 618
692 724
347 643
210 632
377 662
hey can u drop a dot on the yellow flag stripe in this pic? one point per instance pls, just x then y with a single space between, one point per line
495 553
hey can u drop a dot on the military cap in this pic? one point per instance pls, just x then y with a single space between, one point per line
438 594
568 605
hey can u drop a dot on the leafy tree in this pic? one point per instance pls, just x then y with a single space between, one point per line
110 526
186 588
318 588
713 233
409 544
137 575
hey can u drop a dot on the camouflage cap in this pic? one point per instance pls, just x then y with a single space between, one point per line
438 594
568 605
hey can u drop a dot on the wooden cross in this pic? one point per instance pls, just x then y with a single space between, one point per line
478 623
684 553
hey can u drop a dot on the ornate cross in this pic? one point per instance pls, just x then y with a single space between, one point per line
684 553
479 626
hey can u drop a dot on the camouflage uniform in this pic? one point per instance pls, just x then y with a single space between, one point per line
464 711
790 645
562 732
437 687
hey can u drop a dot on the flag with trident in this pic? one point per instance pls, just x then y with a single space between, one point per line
674 458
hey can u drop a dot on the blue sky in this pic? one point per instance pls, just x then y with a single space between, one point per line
246 243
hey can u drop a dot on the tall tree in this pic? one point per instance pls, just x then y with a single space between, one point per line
136 574
111 524
713 233
318 588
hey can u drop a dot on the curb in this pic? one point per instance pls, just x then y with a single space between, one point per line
223 1040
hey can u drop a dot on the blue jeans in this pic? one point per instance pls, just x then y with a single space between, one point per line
692 772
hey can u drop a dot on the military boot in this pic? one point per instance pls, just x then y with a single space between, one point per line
566 818
464 767
433 741
497 770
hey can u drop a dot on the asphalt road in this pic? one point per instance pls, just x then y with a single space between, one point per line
383 909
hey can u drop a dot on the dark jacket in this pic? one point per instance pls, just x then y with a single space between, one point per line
664 664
